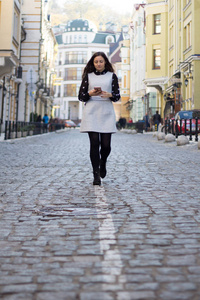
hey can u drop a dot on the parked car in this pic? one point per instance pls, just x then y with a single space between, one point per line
187 115
70 124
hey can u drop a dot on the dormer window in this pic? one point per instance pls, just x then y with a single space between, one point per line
109 39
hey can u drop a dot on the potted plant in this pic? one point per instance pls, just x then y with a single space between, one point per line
19 133
24 131
31 128
13 133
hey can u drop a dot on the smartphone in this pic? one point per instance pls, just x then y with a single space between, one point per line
97 88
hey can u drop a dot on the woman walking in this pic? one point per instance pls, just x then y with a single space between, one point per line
98 89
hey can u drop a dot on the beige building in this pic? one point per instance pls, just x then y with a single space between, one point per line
37 58
11 34
26 60
125 79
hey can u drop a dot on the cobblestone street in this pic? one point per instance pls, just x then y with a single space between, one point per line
137 236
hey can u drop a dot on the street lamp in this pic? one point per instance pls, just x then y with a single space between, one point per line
186 82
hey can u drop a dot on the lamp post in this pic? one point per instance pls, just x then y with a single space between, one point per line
188 76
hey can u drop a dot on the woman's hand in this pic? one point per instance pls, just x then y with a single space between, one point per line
95 92
106 94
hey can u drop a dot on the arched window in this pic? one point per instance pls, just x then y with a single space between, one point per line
109 39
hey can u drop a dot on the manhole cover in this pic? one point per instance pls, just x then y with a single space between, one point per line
58 212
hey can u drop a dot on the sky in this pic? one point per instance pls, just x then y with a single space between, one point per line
121 6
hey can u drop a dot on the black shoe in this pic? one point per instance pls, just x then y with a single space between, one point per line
102 169
97 179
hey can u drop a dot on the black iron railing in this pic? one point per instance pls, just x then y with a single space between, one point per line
22 129
0 125
188 127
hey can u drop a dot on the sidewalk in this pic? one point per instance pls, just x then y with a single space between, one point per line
136 237
2 135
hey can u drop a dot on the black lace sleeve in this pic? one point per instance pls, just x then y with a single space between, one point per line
83 91
115 89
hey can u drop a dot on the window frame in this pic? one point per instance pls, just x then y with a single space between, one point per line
155 60
156 24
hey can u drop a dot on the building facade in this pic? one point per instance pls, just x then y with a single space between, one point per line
26 60
77 41
11 36
156 74
182 91
37 59
125 81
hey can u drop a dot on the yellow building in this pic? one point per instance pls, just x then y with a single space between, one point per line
157 48
125 79
10 37
184 55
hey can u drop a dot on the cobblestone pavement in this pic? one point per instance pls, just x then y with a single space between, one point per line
135 237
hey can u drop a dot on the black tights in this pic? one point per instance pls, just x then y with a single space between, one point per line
97 140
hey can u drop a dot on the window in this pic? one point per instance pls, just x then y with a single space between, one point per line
157 23
59 91
60 58
171 37
16 26
73 74
76 57
188 35
124 81
109 39
156 58
187 2
70 90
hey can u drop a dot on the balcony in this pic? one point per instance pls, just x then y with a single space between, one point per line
75 61
8 60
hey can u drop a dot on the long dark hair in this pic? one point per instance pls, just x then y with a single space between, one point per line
89 68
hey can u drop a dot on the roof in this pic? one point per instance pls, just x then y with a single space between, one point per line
114 46
59 39
116 57
81 25
100 38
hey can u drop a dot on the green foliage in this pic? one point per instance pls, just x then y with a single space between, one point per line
33 117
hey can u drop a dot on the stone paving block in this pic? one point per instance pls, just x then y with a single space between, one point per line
96 296
18 288
59 286
20 296
150 295
56 295
167 295
182 260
